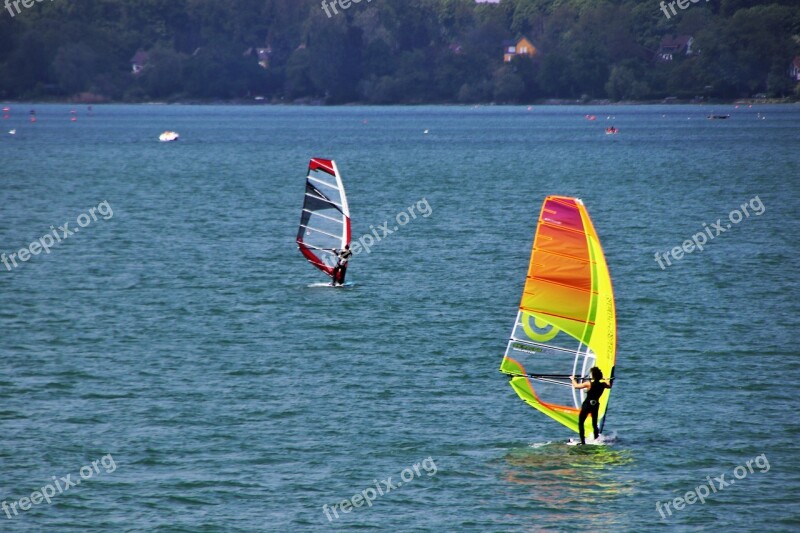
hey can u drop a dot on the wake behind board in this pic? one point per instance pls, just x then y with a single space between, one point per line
589 442
346 285
602 440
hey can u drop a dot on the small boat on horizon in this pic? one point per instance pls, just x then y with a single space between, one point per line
169 136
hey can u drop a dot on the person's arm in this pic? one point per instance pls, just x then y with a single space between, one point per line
576 385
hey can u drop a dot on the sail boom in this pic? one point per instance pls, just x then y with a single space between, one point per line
326 250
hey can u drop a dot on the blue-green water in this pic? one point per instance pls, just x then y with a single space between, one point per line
180 340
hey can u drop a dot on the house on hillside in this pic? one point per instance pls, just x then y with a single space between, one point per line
520 47
673 46
263 55
139 61
794 69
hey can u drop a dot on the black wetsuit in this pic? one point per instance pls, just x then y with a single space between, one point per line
340 269
591 405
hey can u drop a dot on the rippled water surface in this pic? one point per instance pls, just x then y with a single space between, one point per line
177 341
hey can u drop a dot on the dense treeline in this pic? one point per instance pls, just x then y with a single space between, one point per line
395 51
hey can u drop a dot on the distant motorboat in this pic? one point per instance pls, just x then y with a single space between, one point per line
718 117
168 136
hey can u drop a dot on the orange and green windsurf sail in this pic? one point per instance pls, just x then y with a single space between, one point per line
566 322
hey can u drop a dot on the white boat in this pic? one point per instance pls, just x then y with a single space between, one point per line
168 136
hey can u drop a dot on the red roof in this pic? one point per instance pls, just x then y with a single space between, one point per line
140 58
675 42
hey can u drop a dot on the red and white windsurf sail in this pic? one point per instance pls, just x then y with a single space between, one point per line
325 220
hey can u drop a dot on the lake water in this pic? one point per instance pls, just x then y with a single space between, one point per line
177 341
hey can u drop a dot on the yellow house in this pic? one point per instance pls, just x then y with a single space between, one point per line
518 48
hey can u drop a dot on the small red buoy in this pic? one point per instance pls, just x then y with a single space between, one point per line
33 119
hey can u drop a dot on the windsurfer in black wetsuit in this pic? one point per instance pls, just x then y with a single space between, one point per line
591 405
340 269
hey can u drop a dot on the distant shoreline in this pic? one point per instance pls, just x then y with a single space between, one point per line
551 102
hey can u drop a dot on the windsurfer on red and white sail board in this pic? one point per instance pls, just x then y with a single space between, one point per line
340 270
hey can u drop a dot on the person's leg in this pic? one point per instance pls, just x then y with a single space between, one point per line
581 420
336 274
342 274
595 414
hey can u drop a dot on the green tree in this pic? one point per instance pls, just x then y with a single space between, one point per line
508 86
74 67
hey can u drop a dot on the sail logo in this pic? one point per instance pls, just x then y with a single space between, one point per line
540 330
699 239
527 349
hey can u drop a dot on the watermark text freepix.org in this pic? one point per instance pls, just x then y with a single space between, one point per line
382 487
710 232
376 235
682 4
714 485
56 236
27 4
58 486
328 5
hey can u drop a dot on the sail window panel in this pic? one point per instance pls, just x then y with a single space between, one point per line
554 393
